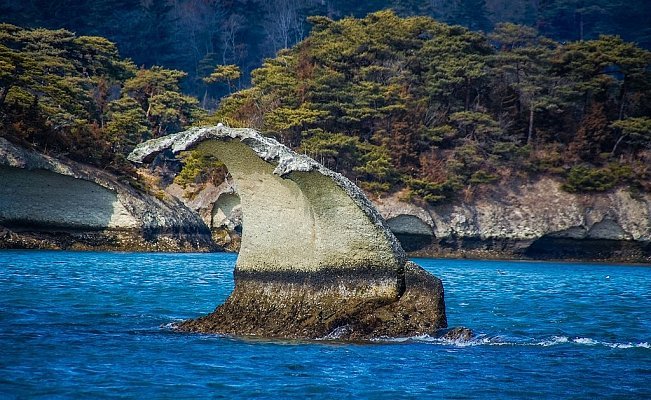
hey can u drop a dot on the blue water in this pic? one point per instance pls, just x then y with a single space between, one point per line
95 325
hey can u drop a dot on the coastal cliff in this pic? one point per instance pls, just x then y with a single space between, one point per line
521 220
533 219
56 203
53 203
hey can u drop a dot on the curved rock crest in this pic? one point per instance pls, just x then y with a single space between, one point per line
316 256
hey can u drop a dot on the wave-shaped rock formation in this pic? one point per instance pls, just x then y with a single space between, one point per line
316 258
60 204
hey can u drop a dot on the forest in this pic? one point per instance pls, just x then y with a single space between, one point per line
195 35
394 102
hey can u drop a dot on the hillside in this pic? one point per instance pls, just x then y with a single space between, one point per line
424 116
435 111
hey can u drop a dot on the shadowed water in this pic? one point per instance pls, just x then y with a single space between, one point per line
96 325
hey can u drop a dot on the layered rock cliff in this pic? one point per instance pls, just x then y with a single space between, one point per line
536 220
60 204
522 220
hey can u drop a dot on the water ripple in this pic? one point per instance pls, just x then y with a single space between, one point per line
100 325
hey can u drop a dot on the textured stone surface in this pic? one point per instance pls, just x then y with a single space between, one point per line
55 203
328 305
316 259
536 219
292 206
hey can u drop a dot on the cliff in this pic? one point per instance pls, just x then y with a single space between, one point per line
54 203
531 219
519 220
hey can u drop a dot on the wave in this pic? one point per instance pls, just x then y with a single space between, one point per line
485 340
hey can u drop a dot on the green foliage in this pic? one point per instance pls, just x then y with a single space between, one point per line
432 193
636 131
409 103
75 96
582 178
223 73
198 167
127 124
393 103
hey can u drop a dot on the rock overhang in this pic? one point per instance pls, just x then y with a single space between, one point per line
315 254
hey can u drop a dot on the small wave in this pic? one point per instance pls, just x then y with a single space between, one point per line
486 340
642 345
586 341
171 326
555 340
476 341
337 333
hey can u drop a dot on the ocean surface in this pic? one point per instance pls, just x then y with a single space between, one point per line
96 325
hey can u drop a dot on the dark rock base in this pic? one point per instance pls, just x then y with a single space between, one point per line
544 248
136 240
300 307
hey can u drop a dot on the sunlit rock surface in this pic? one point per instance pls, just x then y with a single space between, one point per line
528 219
54 203
316 258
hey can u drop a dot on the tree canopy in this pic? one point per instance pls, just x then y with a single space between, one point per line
195 36
406 104
74 95
410 103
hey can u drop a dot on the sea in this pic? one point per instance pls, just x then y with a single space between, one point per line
96 325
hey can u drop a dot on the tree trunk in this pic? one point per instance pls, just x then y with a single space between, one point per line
530 133
3 94
617 144
621 101
467 105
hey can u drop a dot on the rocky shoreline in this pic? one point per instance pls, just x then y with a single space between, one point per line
53 203
531 220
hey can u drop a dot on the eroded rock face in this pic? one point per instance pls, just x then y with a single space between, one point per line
54 203
535 219
412 232
316 258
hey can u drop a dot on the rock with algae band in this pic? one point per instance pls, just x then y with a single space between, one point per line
316 260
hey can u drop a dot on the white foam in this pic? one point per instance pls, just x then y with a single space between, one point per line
586 341
485 340
642 345
555 340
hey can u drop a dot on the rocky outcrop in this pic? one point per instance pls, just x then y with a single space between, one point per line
218 206
56 203
513 221
316 258
535 220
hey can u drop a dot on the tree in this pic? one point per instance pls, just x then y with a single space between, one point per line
469 13
157 90
223 73
523 66
604 66
73 95
637 131
409 103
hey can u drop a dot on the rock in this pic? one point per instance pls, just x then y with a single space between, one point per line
412 232
532 219
56 203
316 259
458 334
